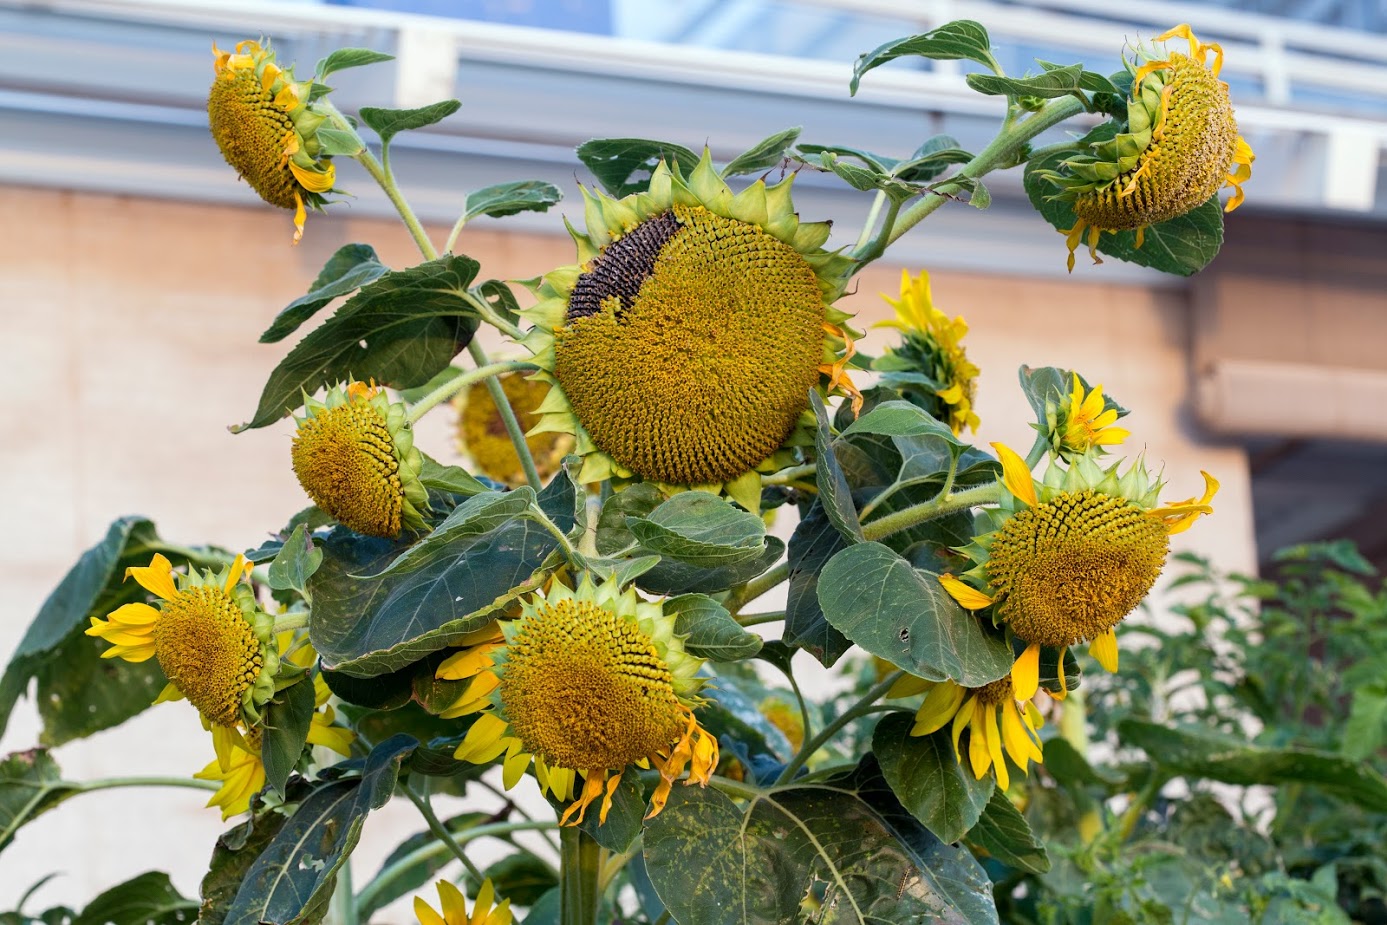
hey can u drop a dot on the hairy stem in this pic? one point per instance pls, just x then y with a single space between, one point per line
928 510
864 706
517 436
758 586
579 872
455 385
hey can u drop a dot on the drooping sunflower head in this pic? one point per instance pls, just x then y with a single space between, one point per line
354 455
589 681
211 639
682 347
266 125
481 434
999 722
1176 147
1069 557
1082 422
930 366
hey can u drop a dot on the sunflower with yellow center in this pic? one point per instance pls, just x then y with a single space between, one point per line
930 365
214 643
454 906
482 435
1177 146
584 683
682 347
354 456
266 126
1069 557
1083 422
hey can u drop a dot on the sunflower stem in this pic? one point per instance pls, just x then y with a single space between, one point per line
615 863
758 586
869 223
112 783
756 619
386 181
571 554
455 385
863 707
517 436
421 801
917 514
291 621
786 476
579 873
342 906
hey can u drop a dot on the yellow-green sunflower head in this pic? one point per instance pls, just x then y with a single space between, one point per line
1177 146
682 348
1082 422
482 435
354 456
210 637
930 366
266 126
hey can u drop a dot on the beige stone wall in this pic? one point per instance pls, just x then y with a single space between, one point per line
128 328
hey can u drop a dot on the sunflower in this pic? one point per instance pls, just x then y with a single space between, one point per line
482 435
585 682
211 639
1068 558
682 347
1177 146
1083 421
266 125
930 362
354 456
454 906
996 719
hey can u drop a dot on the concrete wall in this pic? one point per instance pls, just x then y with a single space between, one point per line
128 332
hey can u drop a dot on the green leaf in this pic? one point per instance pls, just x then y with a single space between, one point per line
333 142
815 541
510 198
78 691
235 852
299 866
902 419
1182 246
350 268
766 154
1058 81
904 615
877 163
30 785
479 514
296 562
931 159
622 165
670 576
1367 722
522 877
701 529
287 718
951 41
401 331
927 778
834 493
1004 833
1198 754
1092 81
388 123
711 631
452 479
148 899
392 882
715 864
366 626
343 58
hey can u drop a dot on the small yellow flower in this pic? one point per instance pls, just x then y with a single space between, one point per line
237 767
482 435
1080 423
996 723
930 361
454 907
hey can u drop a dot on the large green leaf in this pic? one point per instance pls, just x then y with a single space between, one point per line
834 492
30 785
622 165
714 863
1004 834
287 718
959 39
79 692
1200 754
511 198
233 856
379 605
148 899
299 866
815 541
353 266
903 614
928 780
296 562
401 331
388 123
710 630
700 529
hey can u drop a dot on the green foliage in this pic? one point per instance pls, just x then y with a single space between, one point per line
388 123
928 780
350 268
511 198
30 785
950 42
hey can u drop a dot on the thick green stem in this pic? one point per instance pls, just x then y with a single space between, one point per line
291 621
756 619
517 436
112 783
387 183
439 830
928 510
786 476
864 706
758 586
870 221
579 873
341 908
453 386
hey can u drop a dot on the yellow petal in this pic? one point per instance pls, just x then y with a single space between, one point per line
979 757
940 706
454 907
485 897
1016 474
169 694
484 741
132 615
907 685
1104 649
425 914
994 747
1025 673
238 567
962 718
968 597
156 578
462 665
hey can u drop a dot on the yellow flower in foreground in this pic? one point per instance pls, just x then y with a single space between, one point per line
267 128
237 767
482 434
1179 145
1080 422
587 682
454 907
682 346
996 724
354 456
930 361
210 637
1068 558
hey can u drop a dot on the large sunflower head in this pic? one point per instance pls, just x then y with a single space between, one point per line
354 455
266 125
930 365
587 681
1069 557
211 638
482 435
682 347
999 722
1176 147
